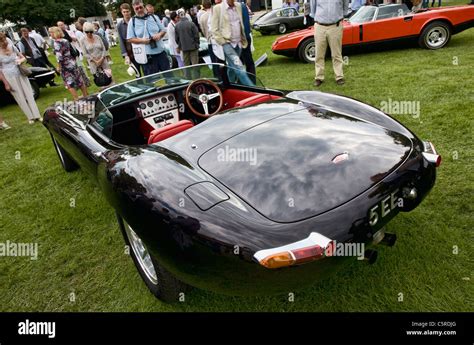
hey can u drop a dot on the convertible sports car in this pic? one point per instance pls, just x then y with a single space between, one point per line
279 20
241 189
432 28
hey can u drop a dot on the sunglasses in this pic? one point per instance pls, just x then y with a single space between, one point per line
89 32
138 7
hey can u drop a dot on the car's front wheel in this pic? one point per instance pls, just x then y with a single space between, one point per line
282 28
159 281
67 162
307 51
435 36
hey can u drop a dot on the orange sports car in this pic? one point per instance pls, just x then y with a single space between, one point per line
385 23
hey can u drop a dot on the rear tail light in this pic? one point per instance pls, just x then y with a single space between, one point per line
430 154
314 247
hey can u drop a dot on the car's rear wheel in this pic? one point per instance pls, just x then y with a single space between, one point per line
307 51
435 36
282 28
67 162
159 281
36 88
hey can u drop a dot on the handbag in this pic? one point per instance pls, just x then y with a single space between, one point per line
101 78
74 51
139 51
25 71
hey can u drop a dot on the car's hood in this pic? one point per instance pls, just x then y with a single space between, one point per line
311 162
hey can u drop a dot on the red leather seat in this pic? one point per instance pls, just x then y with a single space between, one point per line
259 98
168 131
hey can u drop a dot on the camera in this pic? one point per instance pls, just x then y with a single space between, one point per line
153 44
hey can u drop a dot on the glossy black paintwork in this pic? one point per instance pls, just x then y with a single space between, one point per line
213 249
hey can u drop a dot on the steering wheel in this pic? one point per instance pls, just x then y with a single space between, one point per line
203 91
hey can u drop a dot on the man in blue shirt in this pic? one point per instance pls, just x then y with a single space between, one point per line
151 38
356 4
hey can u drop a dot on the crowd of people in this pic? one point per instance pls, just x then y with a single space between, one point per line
225 26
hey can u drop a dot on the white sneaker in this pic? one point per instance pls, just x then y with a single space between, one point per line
3 125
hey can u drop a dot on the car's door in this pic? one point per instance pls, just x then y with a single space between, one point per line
84 140
391 22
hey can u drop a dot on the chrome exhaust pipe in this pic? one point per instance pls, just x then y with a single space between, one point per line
370 256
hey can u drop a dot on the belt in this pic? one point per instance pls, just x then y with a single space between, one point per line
330 24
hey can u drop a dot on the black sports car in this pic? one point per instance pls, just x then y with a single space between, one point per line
241 189
279 21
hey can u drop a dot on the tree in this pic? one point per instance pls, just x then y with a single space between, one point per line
48 12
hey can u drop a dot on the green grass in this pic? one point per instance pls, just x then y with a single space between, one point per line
81 249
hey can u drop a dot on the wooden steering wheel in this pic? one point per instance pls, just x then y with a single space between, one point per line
206 91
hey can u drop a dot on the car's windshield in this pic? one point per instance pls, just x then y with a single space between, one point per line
179 76
363 15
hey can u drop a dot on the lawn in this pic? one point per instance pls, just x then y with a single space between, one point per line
81 251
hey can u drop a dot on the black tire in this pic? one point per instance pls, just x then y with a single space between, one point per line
173 62
36 89
67 162
306 50
435 35
167 287
282 29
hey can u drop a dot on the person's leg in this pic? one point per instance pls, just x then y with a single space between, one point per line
147 69
73 93
194 57
334 37
247 59
162 62
29 99
320 45
187 58
232 58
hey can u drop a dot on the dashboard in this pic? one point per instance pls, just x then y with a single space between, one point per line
159 111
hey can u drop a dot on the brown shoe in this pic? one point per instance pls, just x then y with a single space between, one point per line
340 81
318 82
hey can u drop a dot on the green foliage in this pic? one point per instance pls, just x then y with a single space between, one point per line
48 12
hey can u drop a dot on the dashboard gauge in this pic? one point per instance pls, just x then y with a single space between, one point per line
150 104
142 105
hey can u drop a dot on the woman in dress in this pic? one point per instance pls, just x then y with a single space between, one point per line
70 72
16 83
94 51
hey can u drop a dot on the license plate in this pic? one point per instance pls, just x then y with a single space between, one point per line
385 207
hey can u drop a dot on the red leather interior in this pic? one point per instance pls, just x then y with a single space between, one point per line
145 128
232 96
258 98
168 131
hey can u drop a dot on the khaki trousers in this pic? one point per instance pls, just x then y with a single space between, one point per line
23 95
332 35
191 57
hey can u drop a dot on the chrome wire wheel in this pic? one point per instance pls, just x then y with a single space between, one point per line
436 37
141 253
310 52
